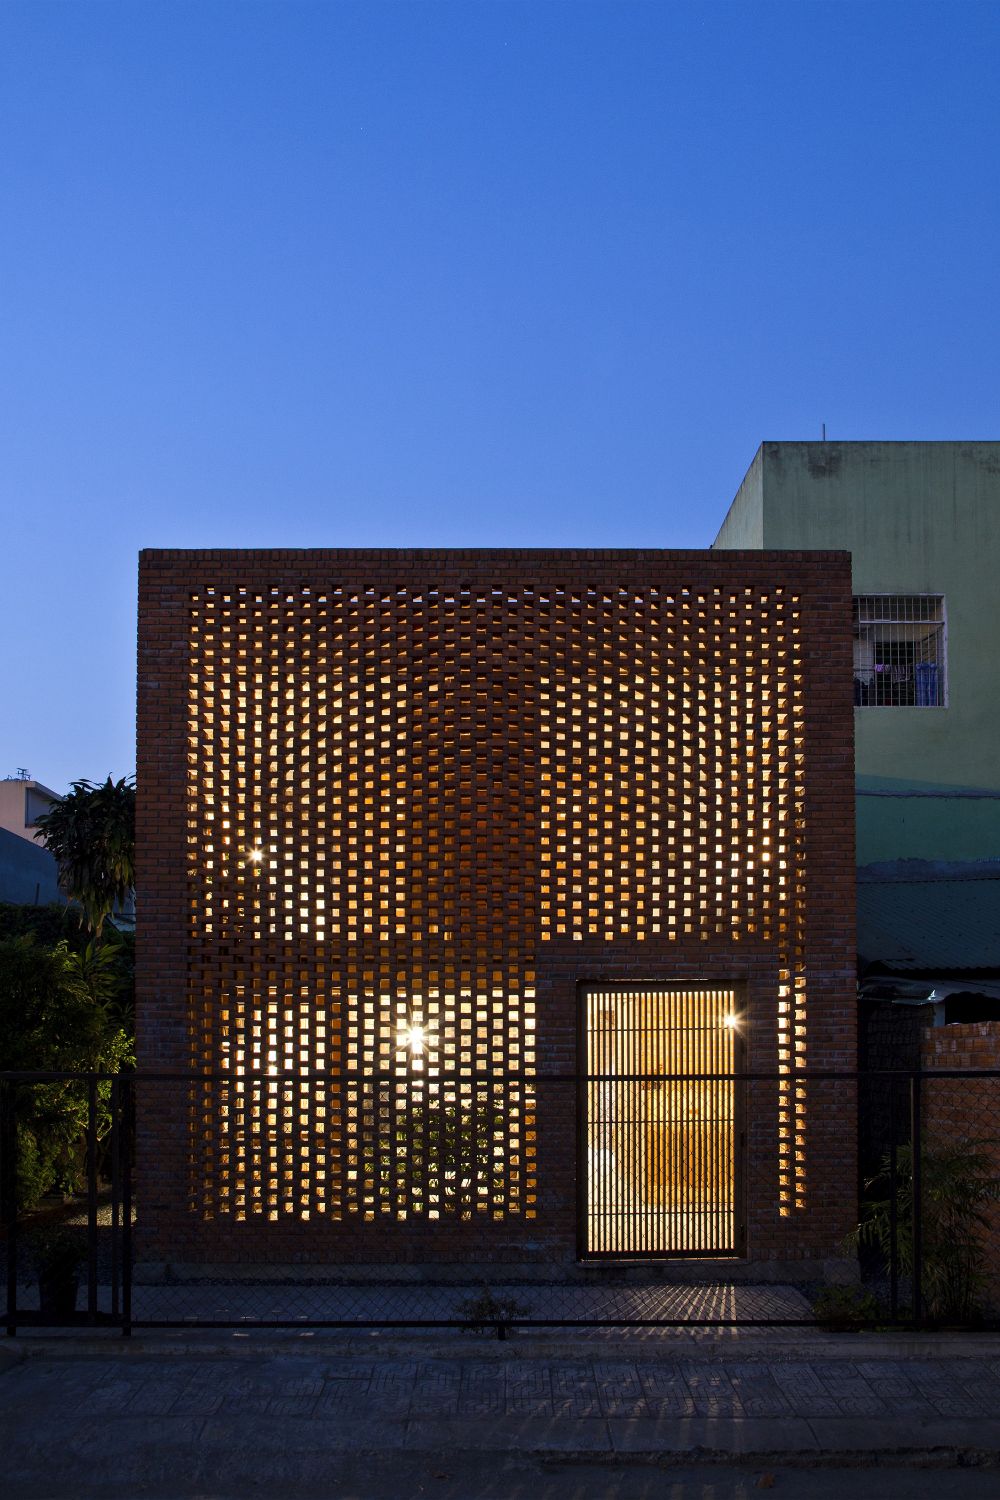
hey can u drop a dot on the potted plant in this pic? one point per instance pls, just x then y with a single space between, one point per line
57 1252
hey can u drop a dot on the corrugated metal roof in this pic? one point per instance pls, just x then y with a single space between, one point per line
923 922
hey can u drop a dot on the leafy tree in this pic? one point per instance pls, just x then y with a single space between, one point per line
59 1011
50 1015
91 833
113 957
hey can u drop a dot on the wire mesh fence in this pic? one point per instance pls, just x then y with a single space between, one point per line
662 1200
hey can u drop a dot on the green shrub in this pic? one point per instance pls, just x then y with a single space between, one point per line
958 1182
36 1168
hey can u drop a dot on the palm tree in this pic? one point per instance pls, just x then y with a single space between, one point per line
91 833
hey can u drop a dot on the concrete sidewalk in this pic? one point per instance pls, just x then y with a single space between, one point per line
184 1414
171 1413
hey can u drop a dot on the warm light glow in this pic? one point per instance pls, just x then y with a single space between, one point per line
254 856
663 1164
730 1021
413 1037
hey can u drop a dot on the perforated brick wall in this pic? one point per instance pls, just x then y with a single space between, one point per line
396 807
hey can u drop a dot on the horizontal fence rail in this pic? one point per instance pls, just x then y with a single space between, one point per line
672 1173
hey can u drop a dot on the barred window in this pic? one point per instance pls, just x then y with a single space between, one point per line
899 651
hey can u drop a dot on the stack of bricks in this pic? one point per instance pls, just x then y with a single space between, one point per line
396 808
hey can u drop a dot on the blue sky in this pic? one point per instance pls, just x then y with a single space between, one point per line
473 274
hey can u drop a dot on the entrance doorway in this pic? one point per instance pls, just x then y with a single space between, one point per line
660 1170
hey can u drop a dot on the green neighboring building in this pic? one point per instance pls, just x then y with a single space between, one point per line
922 521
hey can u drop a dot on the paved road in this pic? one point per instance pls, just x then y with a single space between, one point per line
169 1418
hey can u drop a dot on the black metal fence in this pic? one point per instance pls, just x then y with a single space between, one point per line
669 1168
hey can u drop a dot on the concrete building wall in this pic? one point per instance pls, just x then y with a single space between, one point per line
743 528
29 876
918 518
381 792
21 803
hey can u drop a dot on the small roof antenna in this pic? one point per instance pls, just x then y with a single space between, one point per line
824 432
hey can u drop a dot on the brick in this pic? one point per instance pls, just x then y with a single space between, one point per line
475 781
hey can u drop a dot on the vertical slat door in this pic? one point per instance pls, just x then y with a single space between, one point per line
659 1166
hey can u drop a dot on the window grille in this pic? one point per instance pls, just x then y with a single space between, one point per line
899 651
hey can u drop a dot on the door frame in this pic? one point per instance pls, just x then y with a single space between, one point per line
625 986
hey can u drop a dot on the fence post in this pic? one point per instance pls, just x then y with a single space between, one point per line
127 1098
893 1205
917 1206
116 1193
92 1198
8 1195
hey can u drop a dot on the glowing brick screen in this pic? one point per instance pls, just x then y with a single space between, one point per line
397 811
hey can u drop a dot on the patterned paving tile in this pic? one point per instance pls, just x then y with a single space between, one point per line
436 1390
712 1390
109 1396
390 1388
483 1391
758 1391
853 1394
528 1390
666 1390
804 1390
574 1392
621 1390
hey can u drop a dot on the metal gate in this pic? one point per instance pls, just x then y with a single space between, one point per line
660 1171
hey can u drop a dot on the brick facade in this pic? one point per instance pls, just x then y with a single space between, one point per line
396 807
967 1110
